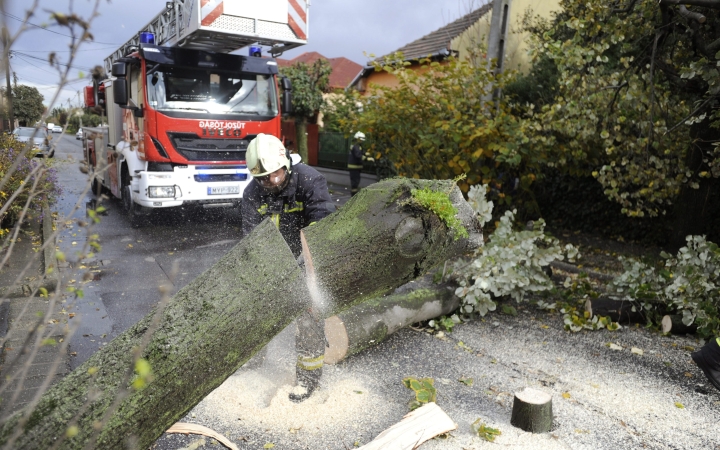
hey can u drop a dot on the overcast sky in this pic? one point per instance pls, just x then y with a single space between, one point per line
337 28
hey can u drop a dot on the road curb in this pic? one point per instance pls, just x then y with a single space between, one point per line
47 262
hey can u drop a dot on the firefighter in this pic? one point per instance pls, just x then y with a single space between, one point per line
293 197
355 162
708 359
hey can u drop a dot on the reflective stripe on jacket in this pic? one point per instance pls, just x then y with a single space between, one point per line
303 201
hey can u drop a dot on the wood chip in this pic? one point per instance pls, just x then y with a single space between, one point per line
416 427
192 428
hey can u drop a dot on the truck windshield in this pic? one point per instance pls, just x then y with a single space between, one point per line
211 92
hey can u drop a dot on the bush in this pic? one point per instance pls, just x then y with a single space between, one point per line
31 180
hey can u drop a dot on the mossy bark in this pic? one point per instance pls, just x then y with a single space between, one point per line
373 321
207 331
379 241
218 321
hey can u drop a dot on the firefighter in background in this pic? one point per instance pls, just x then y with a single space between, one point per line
355 162
293 197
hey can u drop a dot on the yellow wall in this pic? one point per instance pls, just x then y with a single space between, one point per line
516 48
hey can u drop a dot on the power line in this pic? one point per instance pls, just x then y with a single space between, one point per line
68 51
51 31
15 52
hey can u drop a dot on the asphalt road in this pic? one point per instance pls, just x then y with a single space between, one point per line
645 393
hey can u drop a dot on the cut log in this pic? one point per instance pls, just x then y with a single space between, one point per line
621 311
207 331
672 323
379 241
416 427
532 411
371 322
218 321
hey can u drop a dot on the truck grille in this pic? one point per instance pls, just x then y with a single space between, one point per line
194 148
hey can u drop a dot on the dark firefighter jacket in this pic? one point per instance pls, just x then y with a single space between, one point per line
304 200
355 157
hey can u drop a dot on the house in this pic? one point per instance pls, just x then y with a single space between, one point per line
466 33
343 71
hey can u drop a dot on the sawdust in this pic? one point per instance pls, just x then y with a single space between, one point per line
258 402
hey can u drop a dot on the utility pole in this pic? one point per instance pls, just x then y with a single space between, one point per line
6 61
498 37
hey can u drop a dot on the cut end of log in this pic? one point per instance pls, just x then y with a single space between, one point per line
666 324
337 339
532 411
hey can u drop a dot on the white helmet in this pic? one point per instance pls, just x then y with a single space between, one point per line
265 155
359 136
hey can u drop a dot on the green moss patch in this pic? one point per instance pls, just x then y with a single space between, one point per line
439 203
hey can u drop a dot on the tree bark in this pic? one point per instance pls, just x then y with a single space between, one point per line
672 323
301 138
695 207
373 321
532 411
379 241
207 331
217 322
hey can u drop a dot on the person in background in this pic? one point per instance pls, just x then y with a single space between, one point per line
355 162
708 359
293 197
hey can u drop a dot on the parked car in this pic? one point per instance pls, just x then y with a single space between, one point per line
56 129
38 137
79 134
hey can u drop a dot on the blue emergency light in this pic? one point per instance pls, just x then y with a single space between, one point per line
147 37
255 50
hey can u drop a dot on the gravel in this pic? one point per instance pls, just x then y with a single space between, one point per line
602 398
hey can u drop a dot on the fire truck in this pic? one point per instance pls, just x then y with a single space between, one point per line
182 108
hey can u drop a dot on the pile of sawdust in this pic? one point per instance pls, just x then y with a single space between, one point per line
258 402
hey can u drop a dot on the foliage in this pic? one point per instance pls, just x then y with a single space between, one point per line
87 120
31 183
510 264
440 121
485 432
309 82
424 389
635 87
559 194
688 283
28 105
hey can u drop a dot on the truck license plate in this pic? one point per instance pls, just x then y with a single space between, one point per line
223 190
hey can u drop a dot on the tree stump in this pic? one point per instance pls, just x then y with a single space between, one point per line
532 411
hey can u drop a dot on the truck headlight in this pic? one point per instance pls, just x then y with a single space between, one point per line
161 191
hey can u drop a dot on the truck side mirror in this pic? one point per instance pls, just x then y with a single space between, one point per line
287 107
120 91
119 70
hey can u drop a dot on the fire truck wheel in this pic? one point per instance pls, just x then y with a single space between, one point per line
131 209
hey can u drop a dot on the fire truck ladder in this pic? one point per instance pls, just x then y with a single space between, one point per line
203 25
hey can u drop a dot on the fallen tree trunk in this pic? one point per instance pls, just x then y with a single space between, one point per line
371 322
620 311
672 323
219 320
206 332
381 240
